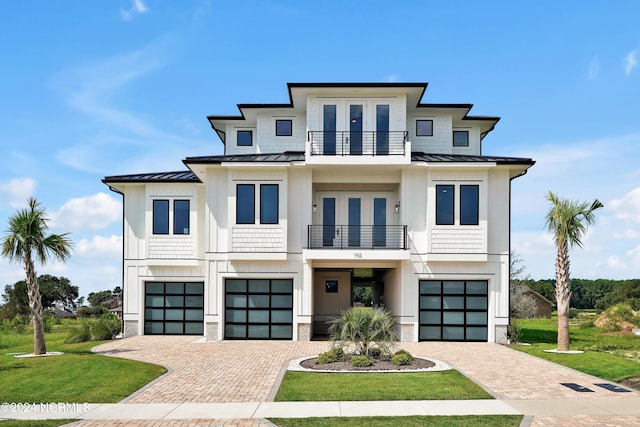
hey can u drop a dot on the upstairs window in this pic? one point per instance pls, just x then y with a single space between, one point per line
245 138
268 203
160 217
469 201
469 204
424 127
284 128
245 204
460 138
445 204
180 217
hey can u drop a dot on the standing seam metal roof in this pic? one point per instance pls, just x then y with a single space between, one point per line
188 176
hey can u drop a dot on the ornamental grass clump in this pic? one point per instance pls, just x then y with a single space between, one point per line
360 331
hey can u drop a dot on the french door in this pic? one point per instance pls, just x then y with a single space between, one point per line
355 220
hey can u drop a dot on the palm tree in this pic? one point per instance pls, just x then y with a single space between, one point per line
25 241
568 221
364 329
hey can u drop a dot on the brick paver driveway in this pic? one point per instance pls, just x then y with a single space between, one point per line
246 371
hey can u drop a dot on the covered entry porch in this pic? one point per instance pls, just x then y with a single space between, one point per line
339 288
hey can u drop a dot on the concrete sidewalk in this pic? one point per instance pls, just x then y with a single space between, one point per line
260 410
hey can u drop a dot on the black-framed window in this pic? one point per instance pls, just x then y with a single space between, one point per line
460 138
269 203
258 309
181 216
174 308
245 138
284 128
161 217
445 200
331 286
424 127
245 204
469 205
453 310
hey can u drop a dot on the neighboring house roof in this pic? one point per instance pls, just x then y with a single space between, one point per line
524 289
293 156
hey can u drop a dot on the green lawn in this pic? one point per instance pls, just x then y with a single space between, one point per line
78 376
415 421
612 357
321 386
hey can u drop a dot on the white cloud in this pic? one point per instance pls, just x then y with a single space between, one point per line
94 212
17 191
594 69
137 8
630 62
99 247
627 208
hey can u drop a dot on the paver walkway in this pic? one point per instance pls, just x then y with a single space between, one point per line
246 371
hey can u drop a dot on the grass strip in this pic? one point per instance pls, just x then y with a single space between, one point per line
320 386
413 421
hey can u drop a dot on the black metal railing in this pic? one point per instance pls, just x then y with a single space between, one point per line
357 237
338 143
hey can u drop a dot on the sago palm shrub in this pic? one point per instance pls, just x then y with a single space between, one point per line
361 330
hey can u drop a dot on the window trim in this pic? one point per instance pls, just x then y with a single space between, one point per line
250 133
460 132
153 217
262 206
417 127
290 133
253 204
175 230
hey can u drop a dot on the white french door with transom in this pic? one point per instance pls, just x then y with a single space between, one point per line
354 219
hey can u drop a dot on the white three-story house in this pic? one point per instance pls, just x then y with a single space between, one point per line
350 194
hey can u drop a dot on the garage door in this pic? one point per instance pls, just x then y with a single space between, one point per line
258 309
174 308
453 310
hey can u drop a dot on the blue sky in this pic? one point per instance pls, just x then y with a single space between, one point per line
89 89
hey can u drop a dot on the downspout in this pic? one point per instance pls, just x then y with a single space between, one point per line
523 173
122 281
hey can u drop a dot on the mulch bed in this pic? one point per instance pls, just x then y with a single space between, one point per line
378 365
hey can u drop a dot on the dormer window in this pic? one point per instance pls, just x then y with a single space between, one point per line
245 138
460 138
284 128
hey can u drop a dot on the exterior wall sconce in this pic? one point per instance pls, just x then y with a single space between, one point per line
315 207
398 207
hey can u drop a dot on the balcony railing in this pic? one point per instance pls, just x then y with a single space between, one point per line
357 237
334 143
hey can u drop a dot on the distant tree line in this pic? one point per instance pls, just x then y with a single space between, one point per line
599 293
56 292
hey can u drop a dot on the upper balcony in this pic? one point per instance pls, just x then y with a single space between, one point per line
358 148
357 242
